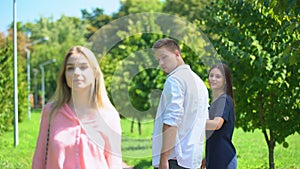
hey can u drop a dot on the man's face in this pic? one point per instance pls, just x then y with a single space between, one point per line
168 60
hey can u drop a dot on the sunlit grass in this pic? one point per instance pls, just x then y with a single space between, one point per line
20 157
251 147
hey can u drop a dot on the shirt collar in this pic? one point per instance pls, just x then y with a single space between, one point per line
183 66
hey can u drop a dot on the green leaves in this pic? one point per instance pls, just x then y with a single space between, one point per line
260 42
7 89
63 34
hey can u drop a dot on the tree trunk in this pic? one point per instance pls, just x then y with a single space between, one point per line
270 140
271 157
140 127
271 146
132 124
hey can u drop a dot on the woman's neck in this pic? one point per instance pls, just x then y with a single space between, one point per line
80 100
217 94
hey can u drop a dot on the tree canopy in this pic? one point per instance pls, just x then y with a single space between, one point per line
262 48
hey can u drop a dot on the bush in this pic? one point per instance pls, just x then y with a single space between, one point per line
7 89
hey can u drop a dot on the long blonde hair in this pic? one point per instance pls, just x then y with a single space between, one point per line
63 92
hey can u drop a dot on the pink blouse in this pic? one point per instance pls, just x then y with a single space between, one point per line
92 142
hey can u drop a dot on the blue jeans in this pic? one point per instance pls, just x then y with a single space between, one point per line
233 163
173 165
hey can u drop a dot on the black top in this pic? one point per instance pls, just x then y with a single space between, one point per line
219 148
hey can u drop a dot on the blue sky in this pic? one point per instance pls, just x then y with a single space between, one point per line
32 10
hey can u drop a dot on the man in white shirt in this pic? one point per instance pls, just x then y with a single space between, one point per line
179 129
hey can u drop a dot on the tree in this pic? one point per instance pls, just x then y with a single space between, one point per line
7 86
262 48
128 68
137 6
21 39
190 9
62 34
96 19
126 44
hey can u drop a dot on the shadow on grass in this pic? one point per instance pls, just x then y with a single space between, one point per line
138 147
143 164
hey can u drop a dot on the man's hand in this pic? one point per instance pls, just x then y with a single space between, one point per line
203 165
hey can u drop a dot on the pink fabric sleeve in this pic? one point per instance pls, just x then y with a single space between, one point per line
38 161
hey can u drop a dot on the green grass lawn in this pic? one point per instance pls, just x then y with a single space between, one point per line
19 157
251 148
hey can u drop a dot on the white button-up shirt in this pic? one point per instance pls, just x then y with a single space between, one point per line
184 104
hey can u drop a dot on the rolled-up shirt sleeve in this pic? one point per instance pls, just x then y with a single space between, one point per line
173 95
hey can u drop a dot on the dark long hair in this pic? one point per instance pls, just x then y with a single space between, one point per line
228 78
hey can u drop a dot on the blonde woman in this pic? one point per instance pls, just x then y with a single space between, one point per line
79 127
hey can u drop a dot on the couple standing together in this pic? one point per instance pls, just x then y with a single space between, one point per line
80 128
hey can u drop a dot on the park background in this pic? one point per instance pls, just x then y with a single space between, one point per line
258 39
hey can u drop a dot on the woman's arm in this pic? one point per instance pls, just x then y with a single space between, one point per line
214 124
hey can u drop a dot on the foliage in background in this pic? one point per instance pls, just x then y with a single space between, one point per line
95 20
114 60
262 49
7 88
189 9
129 7
127 63
62 34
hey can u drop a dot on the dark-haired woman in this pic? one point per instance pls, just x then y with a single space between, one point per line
220 151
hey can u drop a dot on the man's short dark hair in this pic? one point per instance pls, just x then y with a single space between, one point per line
168 43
